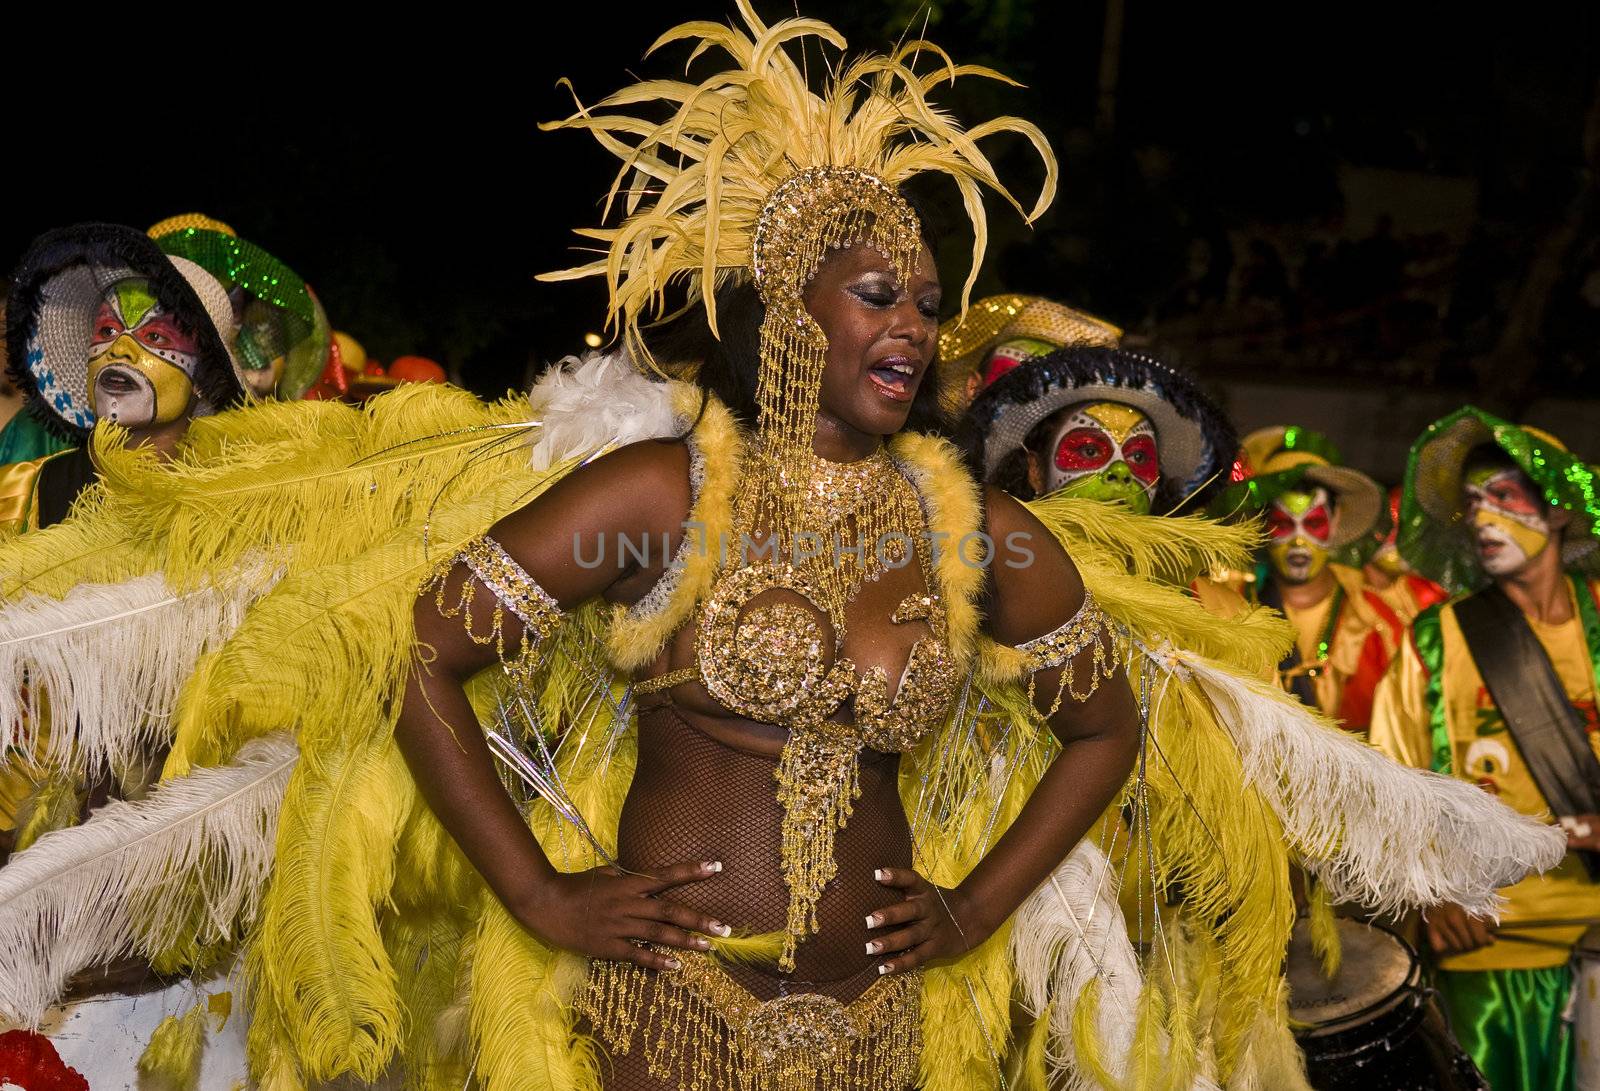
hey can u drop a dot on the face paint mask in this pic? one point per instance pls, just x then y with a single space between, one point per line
1009 354
1510 524
140 359
1301 526
1105 451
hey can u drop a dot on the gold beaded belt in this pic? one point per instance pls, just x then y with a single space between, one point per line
702 1030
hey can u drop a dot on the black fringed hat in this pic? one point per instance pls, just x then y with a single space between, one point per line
56 292
1195 440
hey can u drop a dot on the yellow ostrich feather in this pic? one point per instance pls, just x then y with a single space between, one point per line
331 647
320 953
692 186
1171 549
1028 1070
752 949
172 1059
251 487
269 1052
56 803
1225 849
1325 930
425 947
521 1002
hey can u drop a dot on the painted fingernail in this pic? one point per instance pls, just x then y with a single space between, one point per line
872 920
881 874
883 969
872 948
721 929
674 964
713 866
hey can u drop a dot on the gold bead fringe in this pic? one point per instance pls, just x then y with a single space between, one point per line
704 1032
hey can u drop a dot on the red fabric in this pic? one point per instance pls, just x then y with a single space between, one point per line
1425 591
334 382
31 1062
1355 704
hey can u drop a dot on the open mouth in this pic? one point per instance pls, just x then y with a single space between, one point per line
116 382
895 378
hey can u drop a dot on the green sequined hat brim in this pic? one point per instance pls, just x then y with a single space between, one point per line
281 318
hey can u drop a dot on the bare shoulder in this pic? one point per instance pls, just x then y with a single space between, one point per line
638 493
1035 587
643 486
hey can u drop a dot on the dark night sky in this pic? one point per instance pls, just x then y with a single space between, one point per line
401 172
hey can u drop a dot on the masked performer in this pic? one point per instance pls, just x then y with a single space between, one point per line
1345 634
101 323
103 326
783 809
1388 573
1498 688
1106 424
1102 423
283 335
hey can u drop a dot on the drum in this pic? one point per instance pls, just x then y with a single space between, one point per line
1373 1026
102 1035
1586 1009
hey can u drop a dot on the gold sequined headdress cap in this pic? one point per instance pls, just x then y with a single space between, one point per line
753 149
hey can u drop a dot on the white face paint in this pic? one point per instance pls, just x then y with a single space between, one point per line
141 361
1510 523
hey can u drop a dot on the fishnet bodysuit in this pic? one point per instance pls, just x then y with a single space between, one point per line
666 819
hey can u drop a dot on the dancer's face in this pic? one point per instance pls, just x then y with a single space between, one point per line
140 359
1301 525
1104 451
1510 522
882 334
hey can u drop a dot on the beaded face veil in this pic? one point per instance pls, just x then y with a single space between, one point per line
755 176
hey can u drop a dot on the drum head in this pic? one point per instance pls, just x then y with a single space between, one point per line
1376 967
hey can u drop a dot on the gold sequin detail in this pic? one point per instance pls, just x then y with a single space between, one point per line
513 590
703 1032
1090 629
764 660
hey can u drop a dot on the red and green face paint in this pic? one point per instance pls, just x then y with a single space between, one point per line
1104 451
1300 523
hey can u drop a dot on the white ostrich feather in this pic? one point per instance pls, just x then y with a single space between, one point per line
1372 830
593 403
108 659
1070 931
191 859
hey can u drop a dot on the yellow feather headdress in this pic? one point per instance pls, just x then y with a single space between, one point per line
700 187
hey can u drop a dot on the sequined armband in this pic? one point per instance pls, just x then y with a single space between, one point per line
513 590
1090 629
